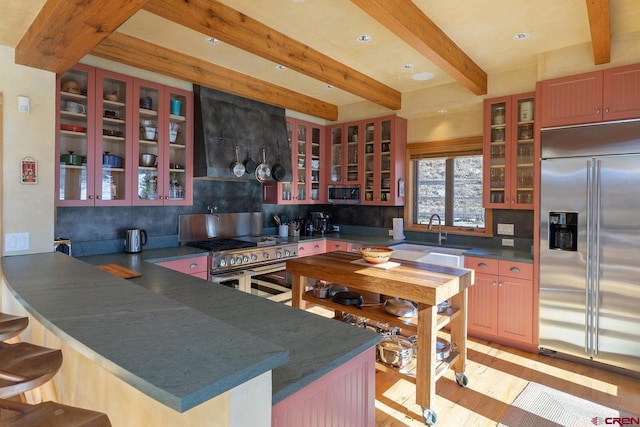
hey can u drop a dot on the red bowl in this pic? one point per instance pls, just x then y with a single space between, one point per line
73 128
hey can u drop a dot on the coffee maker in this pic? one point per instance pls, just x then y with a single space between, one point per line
321 222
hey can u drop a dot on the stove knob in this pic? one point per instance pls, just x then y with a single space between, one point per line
278 254
232 261
223 263
245 259
265 255
254 257
287 252
238 260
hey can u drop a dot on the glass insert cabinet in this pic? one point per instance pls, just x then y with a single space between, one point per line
509 152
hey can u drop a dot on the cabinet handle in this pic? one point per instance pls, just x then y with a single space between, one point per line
193 265
316 247
300 248
606 110
500 284
482 265
99 197
494 283
515 269
598 111
90 197
338 246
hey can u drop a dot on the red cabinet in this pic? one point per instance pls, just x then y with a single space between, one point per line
196 266
312 248
509 152
500 303
307 185
612 94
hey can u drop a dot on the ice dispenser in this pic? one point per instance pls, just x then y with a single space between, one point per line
563 231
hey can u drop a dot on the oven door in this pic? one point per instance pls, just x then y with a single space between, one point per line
271 282
240 280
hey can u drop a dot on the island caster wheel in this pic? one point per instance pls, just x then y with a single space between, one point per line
429 416
462 379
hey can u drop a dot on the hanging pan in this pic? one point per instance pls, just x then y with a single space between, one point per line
249 163
278 171
263 171
236 167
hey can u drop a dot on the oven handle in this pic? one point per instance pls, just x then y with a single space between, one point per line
271 268
219 278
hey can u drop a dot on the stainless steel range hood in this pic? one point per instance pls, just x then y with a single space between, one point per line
221 120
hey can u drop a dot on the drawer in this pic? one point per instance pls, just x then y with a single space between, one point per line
312 248
187 265
519 270
482 265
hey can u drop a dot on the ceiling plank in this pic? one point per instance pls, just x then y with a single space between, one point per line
407 21
217 20
600 24
64 31
139 53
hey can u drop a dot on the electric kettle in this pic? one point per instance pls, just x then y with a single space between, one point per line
134 240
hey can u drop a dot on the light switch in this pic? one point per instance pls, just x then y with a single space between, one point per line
16 242
508 242
506 229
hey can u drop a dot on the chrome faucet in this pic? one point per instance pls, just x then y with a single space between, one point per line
440 236
212 209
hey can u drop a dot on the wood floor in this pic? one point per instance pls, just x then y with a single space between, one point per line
497 374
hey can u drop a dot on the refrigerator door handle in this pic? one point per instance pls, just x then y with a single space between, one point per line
588 321
596 257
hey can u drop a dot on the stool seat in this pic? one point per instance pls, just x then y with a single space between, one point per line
25 366
50 414
11 326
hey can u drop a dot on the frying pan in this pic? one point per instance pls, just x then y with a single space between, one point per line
237 168
348 298
249 163
263 171
278 171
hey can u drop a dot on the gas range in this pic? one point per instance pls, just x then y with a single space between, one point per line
241 253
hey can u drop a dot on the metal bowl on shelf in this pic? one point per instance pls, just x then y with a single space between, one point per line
148 160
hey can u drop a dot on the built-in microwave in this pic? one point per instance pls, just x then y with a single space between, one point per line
344 194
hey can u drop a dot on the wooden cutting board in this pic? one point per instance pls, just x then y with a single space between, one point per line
119 271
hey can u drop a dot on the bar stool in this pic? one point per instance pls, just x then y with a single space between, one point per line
25 366
50 414
11 326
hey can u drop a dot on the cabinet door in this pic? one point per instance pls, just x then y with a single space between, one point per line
316 178
149 116
114 134
176 157
337 172
497 152
515 314
621 93
75 125
312 248
522 152
570 100
337 245
482 313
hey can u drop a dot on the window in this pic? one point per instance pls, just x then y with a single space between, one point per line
445 178
451 188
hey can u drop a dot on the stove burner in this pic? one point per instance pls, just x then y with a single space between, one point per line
217 245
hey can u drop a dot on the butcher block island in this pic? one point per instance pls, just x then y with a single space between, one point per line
425 284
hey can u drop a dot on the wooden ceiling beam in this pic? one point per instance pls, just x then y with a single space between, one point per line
215 19
600 25
64 31
407 21
139 53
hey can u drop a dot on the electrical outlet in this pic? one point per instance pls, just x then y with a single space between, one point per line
391 232
507 242
336 228
16 242
506 229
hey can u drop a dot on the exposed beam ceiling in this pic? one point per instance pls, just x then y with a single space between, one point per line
138 53
217 20
407 21
599 23
64 31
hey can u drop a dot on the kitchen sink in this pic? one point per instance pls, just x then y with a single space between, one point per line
452 257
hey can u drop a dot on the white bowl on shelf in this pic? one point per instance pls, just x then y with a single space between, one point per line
150 133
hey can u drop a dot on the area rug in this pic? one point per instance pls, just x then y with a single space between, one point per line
541 406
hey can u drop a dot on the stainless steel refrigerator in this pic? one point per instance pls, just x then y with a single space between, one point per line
590 243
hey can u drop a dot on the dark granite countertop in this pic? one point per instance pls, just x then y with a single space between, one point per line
149 329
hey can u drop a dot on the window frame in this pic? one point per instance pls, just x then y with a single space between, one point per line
446 148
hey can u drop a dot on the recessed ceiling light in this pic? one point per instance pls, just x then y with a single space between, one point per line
280 67
364 38
442 110
329 87
298 1
212 40
423 76
407 66
521 36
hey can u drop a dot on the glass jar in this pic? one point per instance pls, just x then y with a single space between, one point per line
498 116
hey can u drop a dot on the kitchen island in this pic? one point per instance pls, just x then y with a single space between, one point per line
167 348
426 284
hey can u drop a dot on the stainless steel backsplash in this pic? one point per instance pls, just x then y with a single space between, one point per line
196 227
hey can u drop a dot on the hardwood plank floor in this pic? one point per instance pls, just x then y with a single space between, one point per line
497 374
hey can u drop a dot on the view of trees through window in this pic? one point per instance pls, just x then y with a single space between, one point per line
451 188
